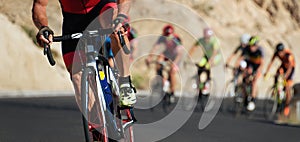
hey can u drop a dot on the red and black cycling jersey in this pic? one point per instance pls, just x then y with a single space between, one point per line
80 6
172 44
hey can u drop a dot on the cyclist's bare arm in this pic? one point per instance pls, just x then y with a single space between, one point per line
39 17
260 68
39 14
192 50
124 6
155 47
179 55
230 58
270 64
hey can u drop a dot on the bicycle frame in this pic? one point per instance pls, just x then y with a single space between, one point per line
280 88
91 58
97 63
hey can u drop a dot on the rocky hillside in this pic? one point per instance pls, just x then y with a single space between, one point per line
273 20
23 65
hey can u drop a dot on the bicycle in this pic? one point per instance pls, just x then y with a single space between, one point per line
160 86
243 94
276 98
231 88
199 87
98 78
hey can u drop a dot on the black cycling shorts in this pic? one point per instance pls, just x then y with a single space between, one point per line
74 23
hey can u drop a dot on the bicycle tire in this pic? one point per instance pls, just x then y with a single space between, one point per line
228 96
190 94
239 101
156 95
270 104
205 102
166 102
88 83
128 131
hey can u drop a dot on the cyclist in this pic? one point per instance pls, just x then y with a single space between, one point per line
77 15
244 40
253 55
288 66
173 52
211 47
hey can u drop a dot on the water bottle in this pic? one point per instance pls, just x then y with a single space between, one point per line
105 89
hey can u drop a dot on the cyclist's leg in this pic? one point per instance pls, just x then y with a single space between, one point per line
127 89
288 89
74 23
256 76
173 80
159 66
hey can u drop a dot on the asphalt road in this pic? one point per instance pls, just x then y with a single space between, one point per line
57 119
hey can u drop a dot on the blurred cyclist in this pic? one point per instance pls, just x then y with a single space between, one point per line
253 55
211 48
244 43
173 52
288 65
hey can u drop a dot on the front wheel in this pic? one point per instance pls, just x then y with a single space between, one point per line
238 100
228 97
208 89
190 94
93 121
270 104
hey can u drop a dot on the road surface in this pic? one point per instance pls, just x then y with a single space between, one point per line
57 119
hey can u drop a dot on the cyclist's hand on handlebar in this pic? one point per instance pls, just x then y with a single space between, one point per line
121 21
43 40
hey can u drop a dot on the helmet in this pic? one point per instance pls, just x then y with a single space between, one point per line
253 40
245 38
279 47
207 32
167 30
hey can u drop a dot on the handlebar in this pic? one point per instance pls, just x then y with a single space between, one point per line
47 49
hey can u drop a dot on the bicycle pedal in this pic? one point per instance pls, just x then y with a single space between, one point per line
125 107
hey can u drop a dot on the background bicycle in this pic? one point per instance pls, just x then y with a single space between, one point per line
231 88
198 88
239 92
160 86
275 100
